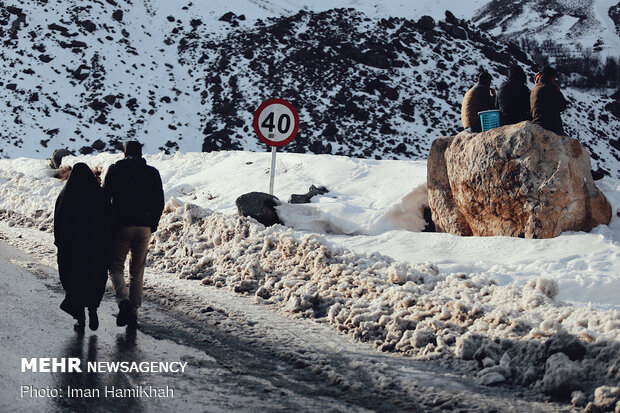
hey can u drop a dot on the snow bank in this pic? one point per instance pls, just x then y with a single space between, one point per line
510 333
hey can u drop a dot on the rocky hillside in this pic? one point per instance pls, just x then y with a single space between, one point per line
614 14
88 75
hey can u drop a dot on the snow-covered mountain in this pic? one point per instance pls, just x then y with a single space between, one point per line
593 24
88 75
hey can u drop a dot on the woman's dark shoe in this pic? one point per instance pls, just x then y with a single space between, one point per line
81 321
93 320
79 326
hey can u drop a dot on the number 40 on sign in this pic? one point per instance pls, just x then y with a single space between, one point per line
276 123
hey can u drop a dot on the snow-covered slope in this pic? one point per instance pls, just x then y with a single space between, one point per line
89 75
590 23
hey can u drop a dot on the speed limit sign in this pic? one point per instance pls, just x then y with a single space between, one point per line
276 122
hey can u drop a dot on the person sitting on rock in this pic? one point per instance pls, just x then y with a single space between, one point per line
477 99
513 98
547 102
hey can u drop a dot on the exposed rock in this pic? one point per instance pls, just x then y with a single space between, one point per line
57 156
307 197
228 17
86 150
14 10
73 44
110 99
517 180
118 15
232 18
455 31
396 120
260 206
614 108
444 211
98 145
450 18
88 25
45 58
58 28
426 23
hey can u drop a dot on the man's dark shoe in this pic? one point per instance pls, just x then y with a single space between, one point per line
124 312
93 319
132 320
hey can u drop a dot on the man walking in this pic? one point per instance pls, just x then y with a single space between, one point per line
135 192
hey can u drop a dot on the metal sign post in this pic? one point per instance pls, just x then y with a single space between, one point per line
272 174
276 123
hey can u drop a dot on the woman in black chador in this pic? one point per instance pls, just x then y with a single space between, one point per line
81 233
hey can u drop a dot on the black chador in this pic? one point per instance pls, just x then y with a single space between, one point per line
81 233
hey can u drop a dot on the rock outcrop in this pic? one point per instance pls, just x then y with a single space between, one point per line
57 156
260 206
517 180
307 197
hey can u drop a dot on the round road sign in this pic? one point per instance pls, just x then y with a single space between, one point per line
276 122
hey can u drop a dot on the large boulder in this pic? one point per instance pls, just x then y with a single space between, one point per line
517 180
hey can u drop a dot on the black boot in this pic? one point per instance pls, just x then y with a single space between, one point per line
81 321
132 319
124 312
93 320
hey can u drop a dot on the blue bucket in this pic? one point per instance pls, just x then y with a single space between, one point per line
489 119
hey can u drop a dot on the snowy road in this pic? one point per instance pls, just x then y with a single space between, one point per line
217 377
241 357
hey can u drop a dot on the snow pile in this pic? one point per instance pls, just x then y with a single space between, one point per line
20 188
510 332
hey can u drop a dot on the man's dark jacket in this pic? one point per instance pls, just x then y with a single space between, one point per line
513 99
135 191
547 102
477 99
